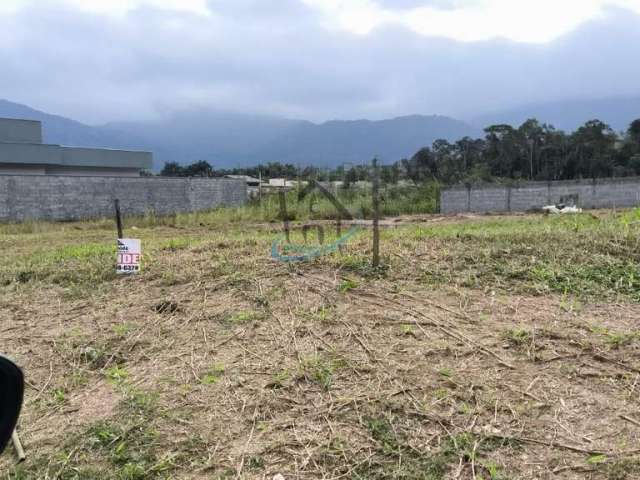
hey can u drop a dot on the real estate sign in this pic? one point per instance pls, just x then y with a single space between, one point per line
129 255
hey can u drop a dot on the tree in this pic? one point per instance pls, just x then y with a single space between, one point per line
350 178
199 169
172 169
503 153
633 134
592 154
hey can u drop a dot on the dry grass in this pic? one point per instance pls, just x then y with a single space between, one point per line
217 362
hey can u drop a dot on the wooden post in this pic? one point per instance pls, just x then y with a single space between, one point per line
376 214
116 203
284 214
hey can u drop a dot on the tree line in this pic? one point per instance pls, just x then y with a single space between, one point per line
532 151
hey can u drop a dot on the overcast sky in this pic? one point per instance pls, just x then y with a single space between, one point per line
102 60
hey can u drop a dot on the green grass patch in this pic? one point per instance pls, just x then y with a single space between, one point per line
580 256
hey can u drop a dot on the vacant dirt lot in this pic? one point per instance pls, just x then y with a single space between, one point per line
493 348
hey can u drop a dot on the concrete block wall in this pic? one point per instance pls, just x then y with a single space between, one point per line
496 198
600 193
50 197
455 200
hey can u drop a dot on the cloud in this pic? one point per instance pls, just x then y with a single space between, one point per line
412 4
279 57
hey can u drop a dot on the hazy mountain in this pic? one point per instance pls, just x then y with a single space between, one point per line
568 115
223 139
64 131
358 141
227 140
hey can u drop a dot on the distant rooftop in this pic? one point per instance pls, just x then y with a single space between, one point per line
246 178
21 144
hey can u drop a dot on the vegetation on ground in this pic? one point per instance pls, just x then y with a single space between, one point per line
493 347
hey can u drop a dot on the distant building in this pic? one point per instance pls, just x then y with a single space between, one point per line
23 153
253 184
283 182
277 182
251 181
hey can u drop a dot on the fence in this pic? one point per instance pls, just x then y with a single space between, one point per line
598 193
51 197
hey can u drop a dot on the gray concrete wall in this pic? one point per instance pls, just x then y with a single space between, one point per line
601 193
50 197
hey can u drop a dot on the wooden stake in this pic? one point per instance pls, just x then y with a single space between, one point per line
376 214
283 213
116 203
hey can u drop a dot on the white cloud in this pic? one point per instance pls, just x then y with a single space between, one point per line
113 7
532 21
285 58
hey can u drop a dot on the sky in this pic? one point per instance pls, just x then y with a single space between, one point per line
127 60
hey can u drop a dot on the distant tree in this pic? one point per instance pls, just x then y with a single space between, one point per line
504 152
350 177
172 169
389 174
633 133
592 154
199 169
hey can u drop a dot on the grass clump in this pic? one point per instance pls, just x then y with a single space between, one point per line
320 370
581 256
244 317
397 458
347 285
517 336
214 374
124 447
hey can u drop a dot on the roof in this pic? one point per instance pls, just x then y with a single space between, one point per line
21 143
42 154
246 178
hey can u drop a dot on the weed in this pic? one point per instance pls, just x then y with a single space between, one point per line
517 337
170 279
322 314
256 463
116 373
279 378
347 284
213 375
123 329
617 340
623 469
594 459
319 370
59 396
408 330
176 244
362 265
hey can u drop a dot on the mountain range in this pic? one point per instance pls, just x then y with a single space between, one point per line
568 115
230 139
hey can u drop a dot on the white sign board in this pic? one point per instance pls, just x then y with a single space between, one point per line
129 255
